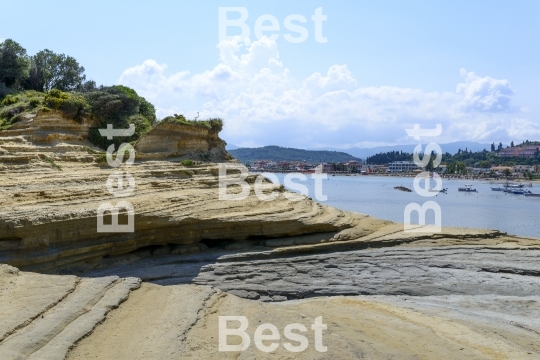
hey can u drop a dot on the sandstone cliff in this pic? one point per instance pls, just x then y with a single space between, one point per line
177 139
50 128
52 187
461 293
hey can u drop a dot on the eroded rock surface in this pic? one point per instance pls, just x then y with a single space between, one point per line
458 294
50 193
44 316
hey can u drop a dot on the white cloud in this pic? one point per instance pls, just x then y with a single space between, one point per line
263 103
484 94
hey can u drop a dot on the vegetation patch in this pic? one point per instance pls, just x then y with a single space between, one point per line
102 158
119 106
53 164
215 124
48 81
278 153
13 106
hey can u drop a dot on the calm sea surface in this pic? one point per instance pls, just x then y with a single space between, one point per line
487 209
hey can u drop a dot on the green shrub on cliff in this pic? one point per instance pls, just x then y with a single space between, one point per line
14 105
73 105
119 106
215 124
9 100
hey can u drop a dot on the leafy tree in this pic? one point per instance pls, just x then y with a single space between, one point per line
55 71
73 105
500 147
461 168
388 157
507 172
119 106
493 147
13 63
87 86
512 144
278 153
484 164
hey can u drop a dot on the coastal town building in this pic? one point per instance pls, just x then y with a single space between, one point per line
402 166
520 151
524 169
500 169
353 166
441 169
325 167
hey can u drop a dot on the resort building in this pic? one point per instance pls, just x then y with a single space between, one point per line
325 167
500 169
524 169
520 151
402 166
353 166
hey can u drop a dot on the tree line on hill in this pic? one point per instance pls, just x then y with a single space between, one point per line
44 71
278 153
458 162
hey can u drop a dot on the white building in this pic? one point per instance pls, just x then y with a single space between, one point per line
524 169
402 166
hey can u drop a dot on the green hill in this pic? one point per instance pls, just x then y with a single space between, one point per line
278 153
48 82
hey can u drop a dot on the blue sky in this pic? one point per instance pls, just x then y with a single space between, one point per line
470 65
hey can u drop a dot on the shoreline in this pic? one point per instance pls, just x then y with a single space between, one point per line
444 177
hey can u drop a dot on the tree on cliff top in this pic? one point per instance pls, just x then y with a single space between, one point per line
120 106
42 72
13 64
55 71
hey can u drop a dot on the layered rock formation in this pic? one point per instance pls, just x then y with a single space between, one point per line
50 200
460 293
50 128
176 139
78 320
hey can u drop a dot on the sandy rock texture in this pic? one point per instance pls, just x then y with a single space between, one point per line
44 316
68 291
51 190
112 318
171 139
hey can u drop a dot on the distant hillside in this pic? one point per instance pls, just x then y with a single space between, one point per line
452 148
277 153
231 147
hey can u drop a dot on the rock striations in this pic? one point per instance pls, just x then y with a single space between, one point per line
176 139
69 291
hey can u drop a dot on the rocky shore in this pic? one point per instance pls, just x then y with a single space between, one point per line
69 292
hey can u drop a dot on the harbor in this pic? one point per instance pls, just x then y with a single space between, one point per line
485 208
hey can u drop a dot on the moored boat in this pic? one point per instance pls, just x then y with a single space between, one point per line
443 190
467 188
520 192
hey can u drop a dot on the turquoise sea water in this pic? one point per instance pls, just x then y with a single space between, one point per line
487 209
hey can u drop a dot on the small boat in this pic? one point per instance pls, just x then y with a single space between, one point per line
497 188
467 188
531 194
402 188
520 192
444 190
